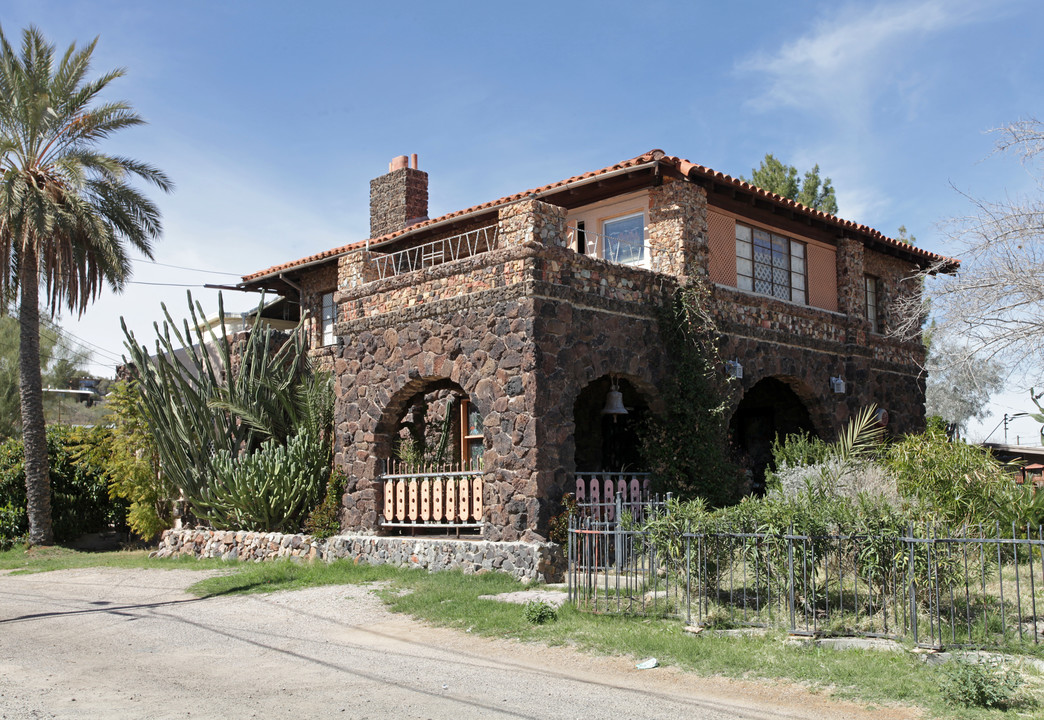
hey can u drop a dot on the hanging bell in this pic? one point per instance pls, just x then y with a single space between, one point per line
614 402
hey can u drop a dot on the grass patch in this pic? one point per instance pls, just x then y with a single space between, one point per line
23 559
452 599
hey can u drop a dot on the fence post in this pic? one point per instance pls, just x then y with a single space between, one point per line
617 535
790 579
912 582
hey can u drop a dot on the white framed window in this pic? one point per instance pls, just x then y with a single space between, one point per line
872 287
327 319
770 264
623 239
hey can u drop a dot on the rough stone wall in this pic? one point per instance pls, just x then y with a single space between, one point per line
541 562
896 279
678 243
522 330
806 347
850 289
532 221
396 198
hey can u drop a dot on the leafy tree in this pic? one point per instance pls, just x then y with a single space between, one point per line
811 190
959 392
67 213
132 466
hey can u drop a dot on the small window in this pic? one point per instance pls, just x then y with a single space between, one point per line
581 237
327 320
874 311
471 447
624 239
770 264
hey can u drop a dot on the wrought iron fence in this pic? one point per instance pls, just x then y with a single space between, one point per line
977 587
437 252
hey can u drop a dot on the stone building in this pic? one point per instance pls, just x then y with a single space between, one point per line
498 332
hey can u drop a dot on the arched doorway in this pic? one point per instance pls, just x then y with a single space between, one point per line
768 410
608 443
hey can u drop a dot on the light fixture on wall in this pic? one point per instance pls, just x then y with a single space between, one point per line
614 401
837 384
881 417
734 369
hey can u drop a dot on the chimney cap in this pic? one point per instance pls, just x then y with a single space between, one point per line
398 163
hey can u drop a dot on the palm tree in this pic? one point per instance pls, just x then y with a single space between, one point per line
67 214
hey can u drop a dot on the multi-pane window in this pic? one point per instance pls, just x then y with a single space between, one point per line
624 239
770 264
873 303
327 319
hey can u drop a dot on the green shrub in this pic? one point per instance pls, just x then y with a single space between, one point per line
952 482
272 489
985 685
558 531
325 520
80 500
539 612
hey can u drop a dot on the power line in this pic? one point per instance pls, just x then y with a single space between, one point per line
182 267
142 282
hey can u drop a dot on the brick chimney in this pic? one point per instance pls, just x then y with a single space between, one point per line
398 199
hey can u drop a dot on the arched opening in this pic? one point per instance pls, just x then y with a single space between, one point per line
608 443
433 424
769 409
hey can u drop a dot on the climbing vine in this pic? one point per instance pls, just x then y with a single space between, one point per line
686 447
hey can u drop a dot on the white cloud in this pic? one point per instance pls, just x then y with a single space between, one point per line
842 64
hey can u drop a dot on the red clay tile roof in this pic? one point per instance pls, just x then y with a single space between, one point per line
685 167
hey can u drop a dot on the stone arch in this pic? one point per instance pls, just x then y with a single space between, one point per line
605 442
773 406
411 410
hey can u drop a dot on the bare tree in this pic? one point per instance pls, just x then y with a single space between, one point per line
992 308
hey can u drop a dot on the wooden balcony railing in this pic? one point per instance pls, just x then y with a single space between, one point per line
433 499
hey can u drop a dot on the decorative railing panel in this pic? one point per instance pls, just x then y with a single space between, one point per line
601 495
433 499
437 252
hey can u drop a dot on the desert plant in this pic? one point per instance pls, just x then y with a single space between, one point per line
272 488
212 402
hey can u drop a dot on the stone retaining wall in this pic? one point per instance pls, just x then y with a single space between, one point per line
528 562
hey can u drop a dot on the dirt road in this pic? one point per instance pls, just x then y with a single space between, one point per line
108 643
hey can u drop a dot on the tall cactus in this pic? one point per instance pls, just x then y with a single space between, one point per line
209 413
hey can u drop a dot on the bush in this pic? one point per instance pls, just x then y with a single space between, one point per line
80 500
325 520
979 684
558 531
272 489
953 482
539 612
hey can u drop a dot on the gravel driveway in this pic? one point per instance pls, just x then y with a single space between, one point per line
113 643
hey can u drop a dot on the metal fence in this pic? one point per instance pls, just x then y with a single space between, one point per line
978 587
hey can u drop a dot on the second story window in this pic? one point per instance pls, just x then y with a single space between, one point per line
770 264
327 319
624 239
873 303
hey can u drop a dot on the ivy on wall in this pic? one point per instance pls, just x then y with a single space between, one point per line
686 448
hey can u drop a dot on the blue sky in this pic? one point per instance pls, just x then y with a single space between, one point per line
272 118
